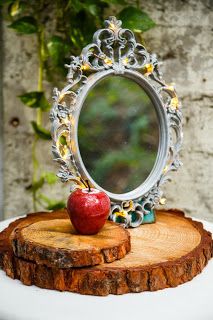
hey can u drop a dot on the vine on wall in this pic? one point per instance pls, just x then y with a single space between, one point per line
62 28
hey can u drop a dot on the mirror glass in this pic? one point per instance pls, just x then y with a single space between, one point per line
118 134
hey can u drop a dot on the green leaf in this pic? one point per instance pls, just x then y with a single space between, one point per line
81 34
136 20
57 49
16 8
55 205
75 4
41 132
91 6
50 177
92 9
115 2
37 185
52 204
25 25
35 99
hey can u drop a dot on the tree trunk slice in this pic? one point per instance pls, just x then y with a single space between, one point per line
165 254
55 243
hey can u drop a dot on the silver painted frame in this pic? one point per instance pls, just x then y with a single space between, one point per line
114 51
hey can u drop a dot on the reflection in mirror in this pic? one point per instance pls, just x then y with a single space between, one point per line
118 134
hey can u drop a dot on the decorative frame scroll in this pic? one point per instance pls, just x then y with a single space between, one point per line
115 51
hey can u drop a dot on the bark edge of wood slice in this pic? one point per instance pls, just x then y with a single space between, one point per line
55 243
123 276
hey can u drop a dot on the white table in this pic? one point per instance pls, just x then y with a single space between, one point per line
190 301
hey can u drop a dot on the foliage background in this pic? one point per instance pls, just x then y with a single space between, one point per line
183 40
62 28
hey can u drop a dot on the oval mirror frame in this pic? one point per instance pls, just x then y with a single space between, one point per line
114 51
163 134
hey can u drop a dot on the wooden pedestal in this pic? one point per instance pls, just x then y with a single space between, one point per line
164 254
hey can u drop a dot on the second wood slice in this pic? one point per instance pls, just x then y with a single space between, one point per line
55 243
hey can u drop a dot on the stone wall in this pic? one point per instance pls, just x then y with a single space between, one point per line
183 41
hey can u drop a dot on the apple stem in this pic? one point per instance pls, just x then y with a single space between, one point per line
87 181
84 183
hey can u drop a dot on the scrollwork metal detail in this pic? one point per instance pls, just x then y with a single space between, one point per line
114 48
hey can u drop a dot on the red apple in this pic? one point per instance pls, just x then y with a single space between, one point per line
88 210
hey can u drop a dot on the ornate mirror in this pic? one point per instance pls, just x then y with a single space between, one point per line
117 124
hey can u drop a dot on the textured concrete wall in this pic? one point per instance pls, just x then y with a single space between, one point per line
1 122
20 75
183 41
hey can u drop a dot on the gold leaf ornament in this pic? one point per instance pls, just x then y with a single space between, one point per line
174 103
148 69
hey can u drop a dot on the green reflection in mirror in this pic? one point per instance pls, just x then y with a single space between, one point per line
118 134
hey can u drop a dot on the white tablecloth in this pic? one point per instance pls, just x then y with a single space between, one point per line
190 301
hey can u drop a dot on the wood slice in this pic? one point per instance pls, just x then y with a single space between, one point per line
55 243
165 254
